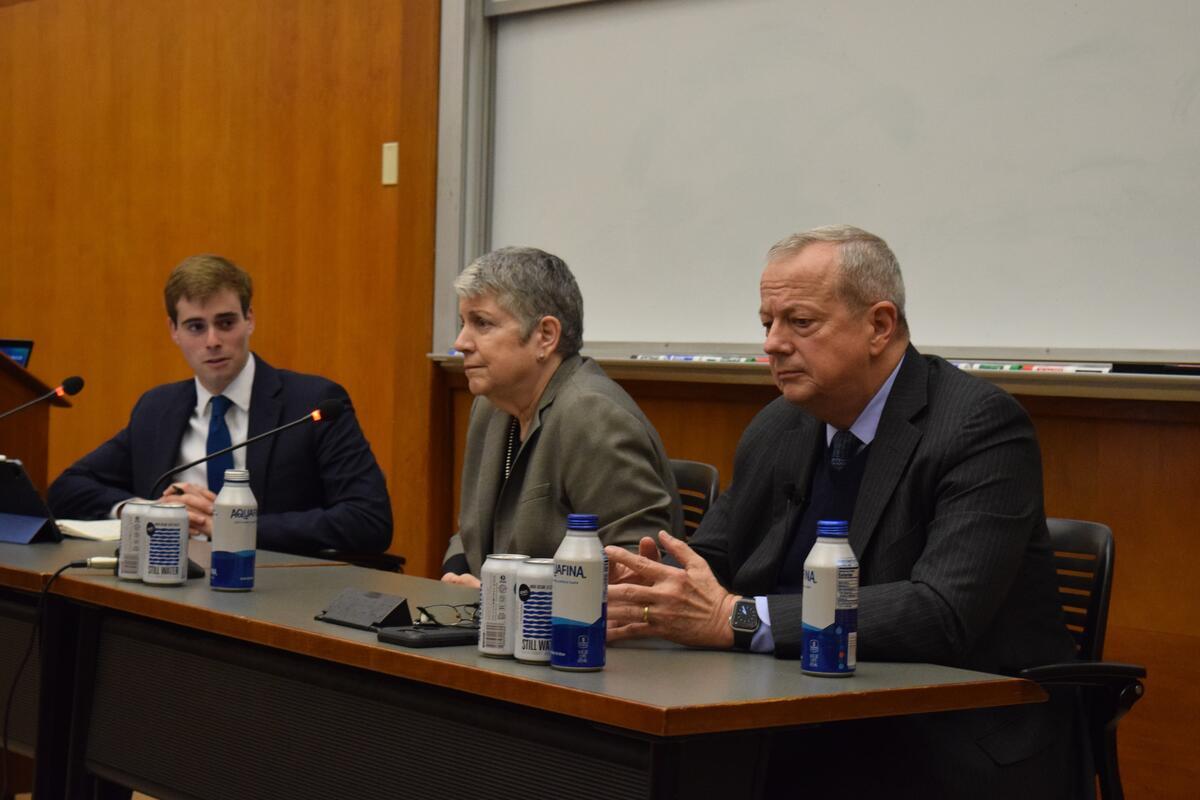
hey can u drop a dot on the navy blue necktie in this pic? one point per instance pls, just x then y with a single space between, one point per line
218 439
842 449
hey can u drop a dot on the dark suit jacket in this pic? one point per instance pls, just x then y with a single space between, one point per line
949 529
317 485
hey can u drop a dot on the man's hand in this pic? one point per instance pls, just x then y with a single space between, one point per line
199 502
685 605
466 579
619 573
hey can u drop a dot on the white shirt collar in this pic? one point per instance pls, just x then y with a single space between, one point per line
238 391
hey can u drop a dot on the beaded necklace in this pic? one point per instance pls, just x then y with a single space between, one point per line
510 450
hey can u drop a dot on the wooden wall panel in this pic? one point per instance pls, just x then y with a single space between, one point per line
1132 465
1157 744
136 134
1117 463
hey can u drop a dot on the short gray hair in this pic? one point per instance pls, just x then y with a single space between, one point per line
529 284
869 271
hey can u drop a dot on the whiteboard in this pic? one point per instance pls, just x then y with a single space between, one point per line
1034 165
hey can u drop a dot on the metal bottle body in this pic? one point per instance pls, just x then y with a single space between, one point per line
234 534
580 602
830 613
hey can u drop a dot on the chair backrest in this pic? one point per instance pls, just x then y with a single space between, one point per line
698 484
1083 559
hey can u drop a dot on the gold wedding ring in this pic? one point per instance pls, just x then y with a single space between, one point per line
646 614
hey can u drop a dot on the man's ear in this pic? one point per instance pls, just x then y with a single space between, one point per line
249 320
884 320
173 329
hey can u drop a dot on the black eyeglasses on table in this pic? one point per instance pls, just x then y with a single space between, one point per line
445 615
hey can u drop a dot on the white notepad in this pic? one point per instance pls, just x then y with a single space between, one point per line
99 530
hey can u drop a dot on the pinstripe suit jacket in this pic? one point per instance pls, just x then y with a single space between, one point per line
949 529
950 532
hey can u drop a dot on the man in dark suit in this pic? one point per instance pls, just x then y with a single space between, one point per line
317 485
939 475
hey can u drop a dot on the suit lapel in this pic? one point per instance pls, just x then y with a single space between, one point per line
497 435
892 448
266 406
490 485
792 475
171 427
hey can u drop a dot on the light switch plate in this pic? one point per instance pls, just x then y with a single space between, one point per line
390 174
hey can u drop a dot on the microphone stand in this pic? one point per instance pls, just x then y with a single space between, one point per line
328 410
59 392
230 449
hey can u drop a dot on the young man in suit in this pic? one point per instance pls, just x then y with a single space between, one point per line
939 475
317 485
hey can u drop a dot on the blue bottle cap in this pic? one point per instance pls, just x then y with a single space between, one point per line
833 527
582 522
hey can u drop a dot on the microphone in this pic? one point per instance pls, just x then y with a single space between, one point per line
327 411
69 386
95 562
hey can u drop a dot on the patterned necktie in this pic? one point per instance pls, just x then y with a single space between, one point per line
842 449
218 439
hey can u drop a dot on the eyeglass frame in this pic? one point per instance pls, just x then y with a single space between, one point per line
427 617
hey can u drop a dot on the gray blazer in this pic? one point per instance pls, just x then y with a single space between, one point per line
591 450
949 529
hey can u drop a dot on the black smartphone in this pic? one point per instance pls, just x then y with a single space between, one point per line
428 635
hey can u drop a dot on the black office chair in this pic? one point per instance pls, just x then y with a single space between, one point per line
1083 557
698 484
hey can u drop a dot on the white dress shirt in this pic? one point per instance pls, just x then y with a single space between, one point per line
195 437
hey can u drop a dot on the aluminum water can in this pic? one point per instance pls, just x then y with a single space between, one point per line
830 613
133 536
535 587
498 604
165 555
580 603
234 534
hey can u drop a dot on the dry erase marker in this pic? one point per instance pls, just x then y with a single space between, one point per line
1094 369
995 366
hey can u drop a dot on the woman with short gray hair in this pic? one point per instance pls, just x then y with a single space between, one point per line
550 434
